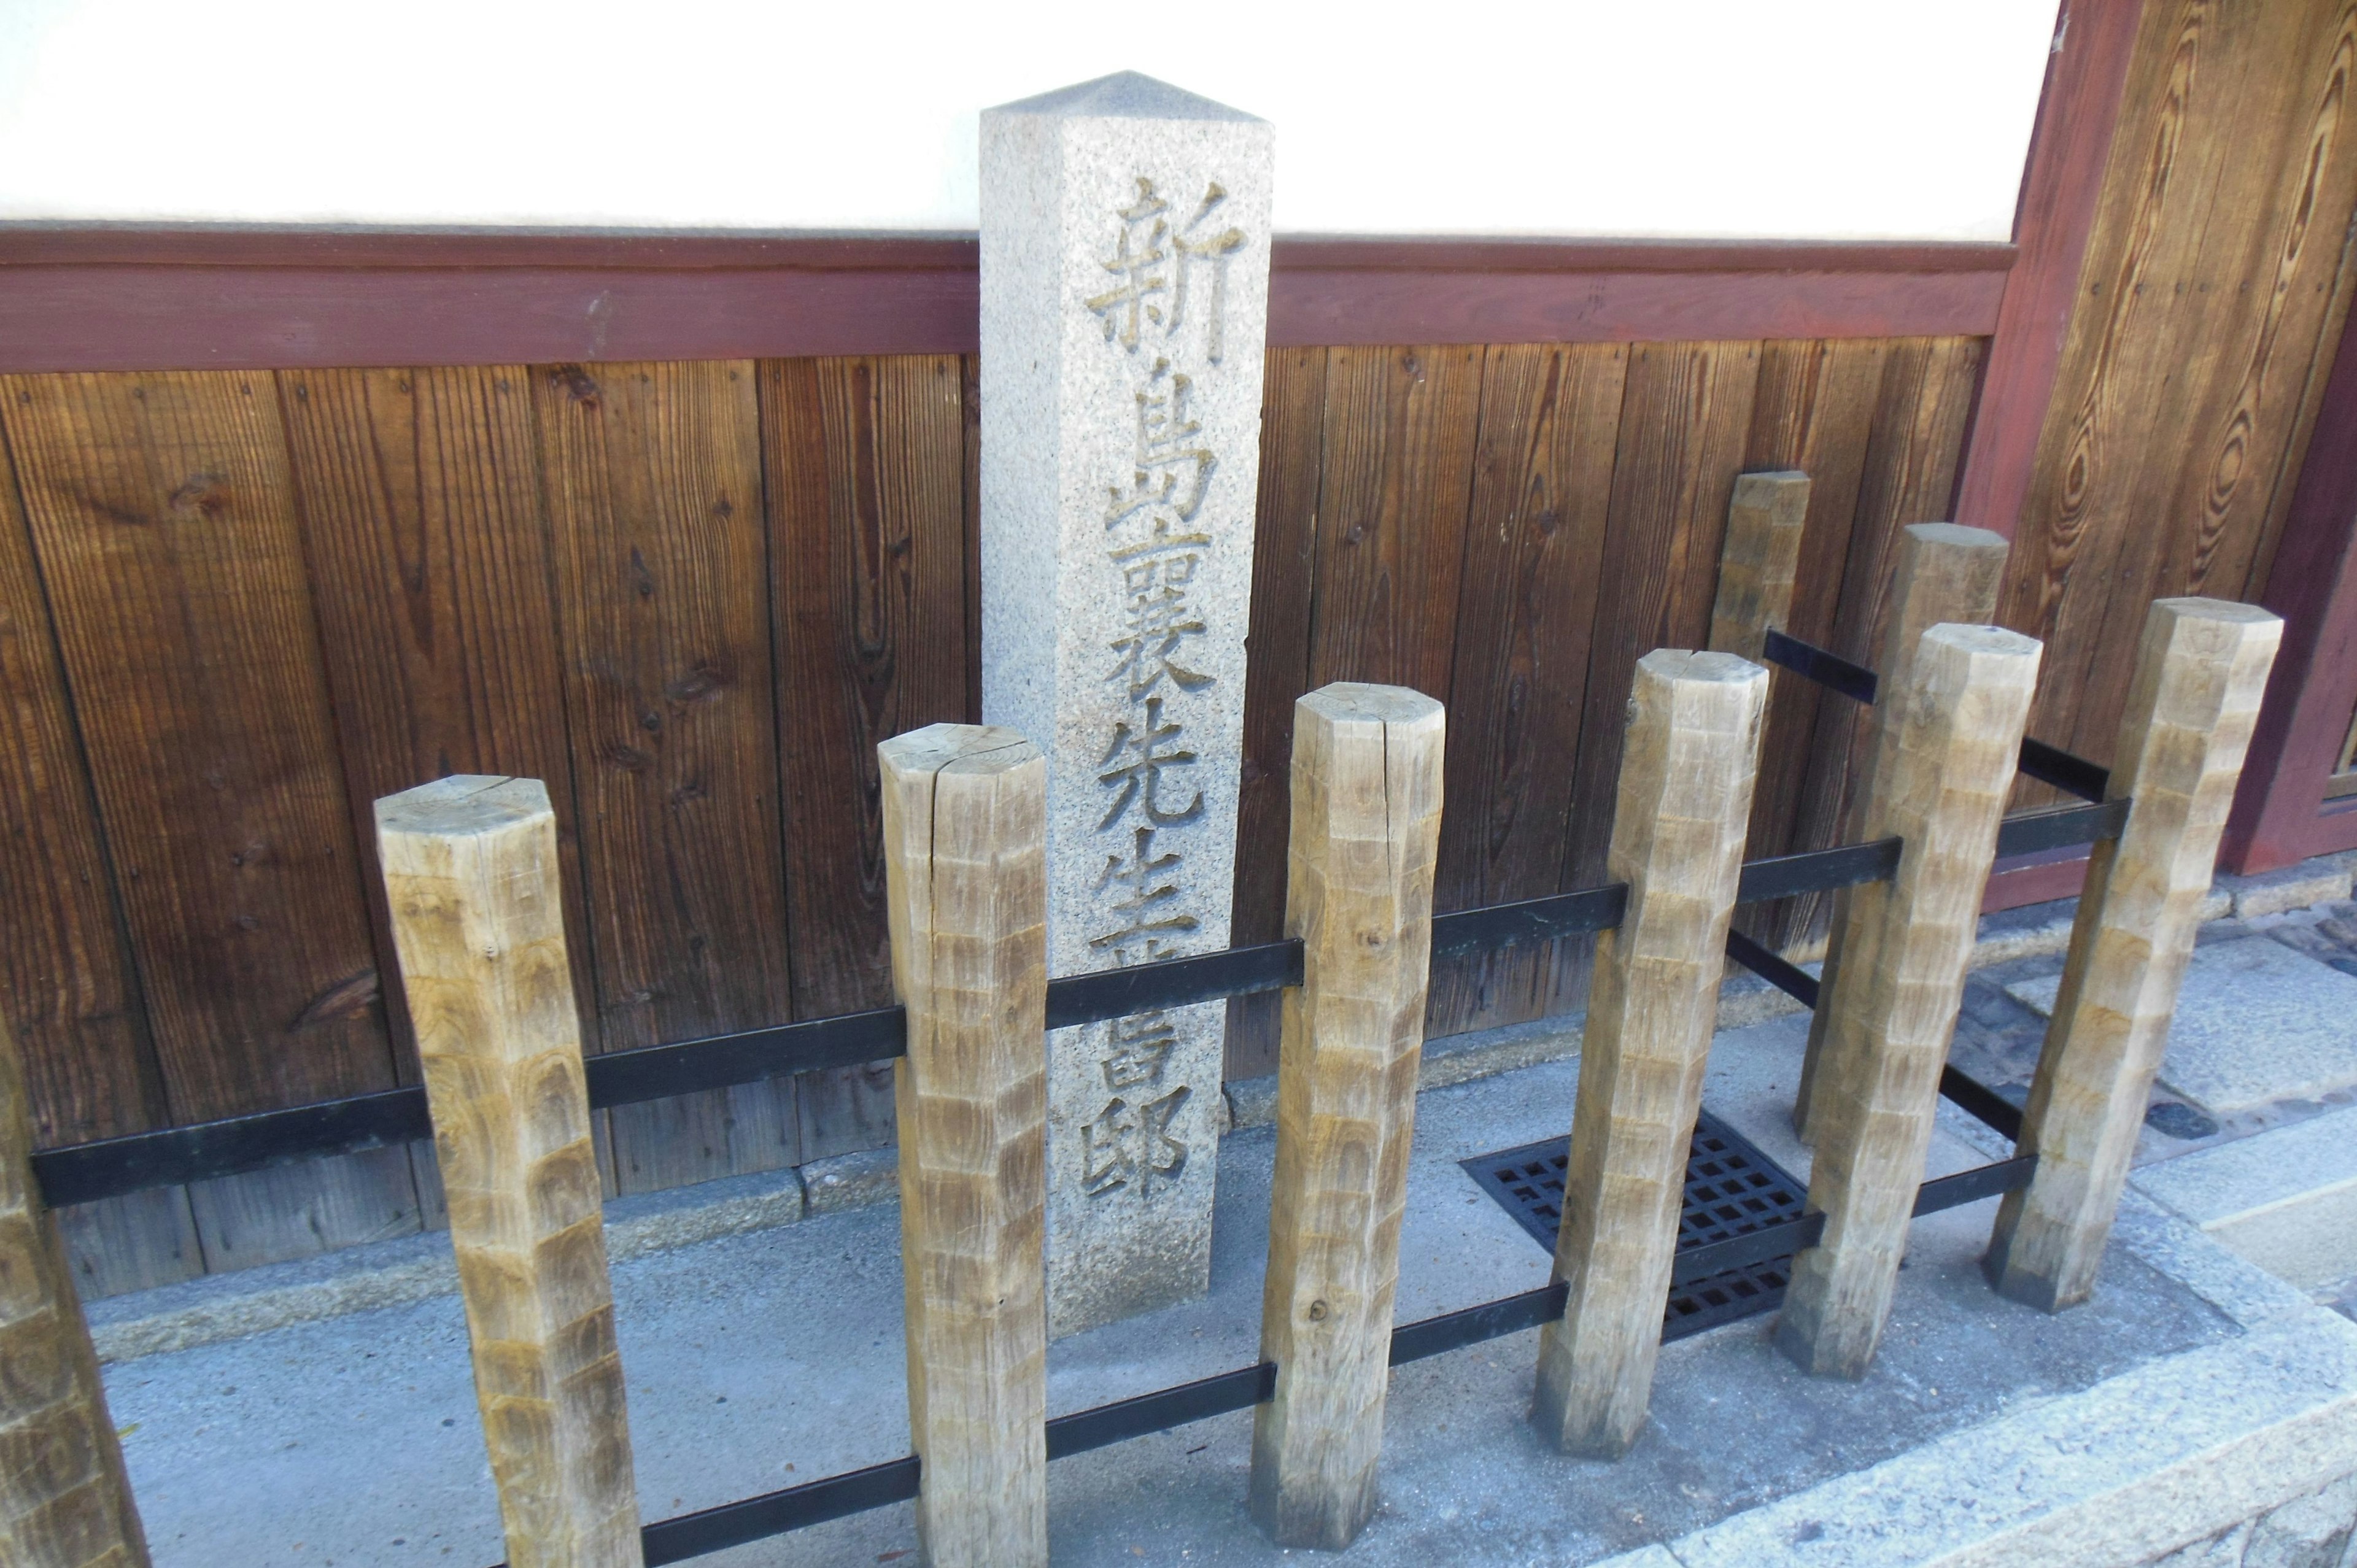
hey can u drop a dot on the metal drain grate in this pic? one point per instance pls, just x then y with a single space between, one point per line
1731 1188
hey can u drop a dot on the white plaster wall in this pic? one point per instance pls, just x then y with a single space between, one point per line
1804 118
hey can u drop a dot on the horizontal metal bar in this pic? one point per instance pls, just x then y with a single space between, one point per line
1831 670
2072 774
1818 870
1532 920
1777 1240
847 1039
2034 831
83 1172
1789 978
1105 993
1158 1412
1491 1320
775 1513
1982 1103
1972 1186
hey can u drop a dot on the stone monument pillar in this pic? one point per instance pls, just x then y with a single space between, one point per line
1125 312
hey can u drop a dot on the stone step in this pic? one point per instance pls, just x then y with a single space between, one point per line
2285 1198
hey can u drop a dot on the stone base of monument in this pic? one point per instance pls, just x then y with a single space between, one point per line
2196 1404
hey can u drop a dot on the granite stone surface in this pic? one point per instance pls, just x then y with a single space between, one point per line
1125 308
2256 1021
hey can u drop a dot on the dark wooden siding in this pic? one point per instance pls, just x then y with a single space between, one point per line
236 608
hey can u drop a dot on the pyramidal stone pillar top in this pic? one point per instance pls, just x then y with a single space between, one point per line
1124 314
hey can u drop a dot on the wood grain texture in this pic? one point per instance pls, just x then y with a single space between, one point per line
71 992
1945 575
1391 498
1684 419
964 823
866 504
2210 303
1285 542
419 497
2203 669
1945 762
1367 766
1813 411
160 507
471 869
163 517
653 483
1687 764
1759 560
65 1501
1550 419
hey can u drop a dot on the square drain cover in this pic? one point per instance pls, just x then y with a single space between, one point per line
1731 1188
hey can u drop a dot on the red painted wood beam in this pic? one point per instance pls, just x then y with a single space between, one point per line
141 298
2062 187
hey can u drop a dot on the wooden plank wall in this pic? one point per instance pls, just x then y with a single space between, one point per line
235 608
2212 294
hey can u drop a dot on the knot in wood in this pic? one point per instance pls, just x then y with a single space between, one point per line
1317 1312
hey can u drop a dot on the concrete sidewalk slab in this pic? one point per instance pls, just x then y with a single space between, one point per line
2285 1198
2255 1023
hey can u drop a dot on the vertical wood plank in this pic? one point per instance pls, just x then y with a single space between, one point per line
1944 576
1684 420
163 517
964 823
653 484
2183 737
1687 764
1913 444
72 1000
2213 288
1284 540
1813 411
65 1501
1392 494
471 870
1760 563
866 473
420 501
1942 768
1368 767
1534 548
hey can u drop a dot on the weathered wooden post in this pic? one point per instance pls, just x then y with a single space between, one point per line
1686 771
2200 676
64 1500
964 855
1950 735
1945 575
1366 826
1760 561
471 872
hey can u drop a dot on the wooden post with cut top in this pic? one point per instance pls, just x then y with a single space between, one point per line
1945 575
1760 561
64 1500
1685 799
966 814
2200 675
471 873
1950 741
1366 828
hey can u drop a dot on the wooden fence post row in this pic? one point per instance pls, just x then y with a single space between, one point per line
2200 675
471 872
64 1502
1366 827
1686 772
965 822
